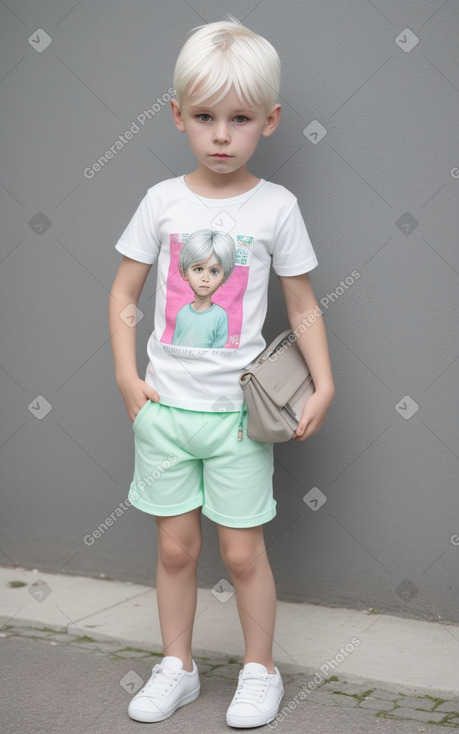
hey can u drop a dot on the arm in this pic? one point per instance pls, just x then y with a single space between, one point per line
126 289
303 311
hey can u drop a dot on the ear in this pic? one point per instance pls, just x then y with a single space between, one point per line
177 116
272 120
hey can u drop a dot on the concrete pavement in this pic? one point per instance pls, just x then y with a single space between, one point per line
85 645
56 683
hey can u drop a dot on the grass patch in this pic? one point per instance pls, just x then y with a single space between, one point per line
358 696
137 649
437 701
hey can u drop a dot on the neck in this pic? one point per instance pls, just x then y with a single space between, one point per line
201 304
219 186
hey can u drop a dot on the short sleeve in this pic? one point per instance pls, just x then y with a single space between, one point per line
139 240
293 253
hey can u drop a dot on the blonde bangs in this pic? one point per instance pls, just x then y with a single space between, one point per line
221 55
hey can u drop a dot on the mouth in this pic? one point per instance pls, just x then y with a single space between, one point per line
221 155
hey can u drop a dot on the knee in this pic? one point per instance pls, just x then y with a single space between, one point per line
176 556
240 560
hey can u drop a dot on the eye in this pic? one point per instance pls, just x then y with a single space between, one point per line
203 117
215 271
197 269
241 118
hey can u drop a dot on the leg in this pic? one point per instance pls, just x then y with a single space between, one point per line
244 555
179 548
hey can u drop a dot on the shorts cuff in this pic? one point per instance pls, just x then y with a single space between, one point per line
165 511
240 522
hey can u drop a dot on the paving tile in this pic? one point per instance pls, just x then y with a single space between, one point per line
416 702
352 689
385 695
132 654
451 705
344 700
230 670
410 713
328 698
377 704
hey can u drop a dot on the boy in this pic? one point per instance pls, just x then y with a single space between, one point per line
206 261
227 81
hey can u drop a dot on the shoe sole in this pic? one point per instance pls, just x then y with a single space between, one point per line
246 722
151 718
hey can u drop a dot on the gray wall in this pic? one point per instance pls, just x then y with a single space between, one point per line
379 193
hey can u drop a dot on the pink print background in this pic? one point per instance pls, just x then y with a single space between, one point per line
229 296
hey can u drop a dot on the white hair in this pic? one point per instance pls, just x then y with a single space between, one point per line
219 55
203 243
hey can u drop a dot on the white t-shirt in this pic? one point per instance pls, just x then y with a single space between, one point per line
268 229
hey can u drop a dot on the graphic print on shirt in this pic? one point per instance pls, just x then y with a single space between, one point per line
207 279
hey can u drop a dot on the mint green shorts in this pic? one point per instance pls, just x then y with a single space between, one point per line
186 459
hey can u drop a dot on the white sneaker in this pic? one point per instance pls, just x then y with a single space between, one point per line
257 698
168 688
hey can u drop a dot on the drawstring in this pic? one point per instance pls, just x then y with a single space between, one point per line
242 415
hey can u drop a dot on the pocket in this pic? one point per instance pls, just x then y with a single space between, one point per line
140 414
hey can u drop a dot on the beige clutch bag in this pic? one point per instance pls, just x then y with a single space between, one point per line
276 386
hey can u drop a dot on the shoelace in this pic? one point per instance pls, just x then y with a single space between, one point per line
160 682
252 687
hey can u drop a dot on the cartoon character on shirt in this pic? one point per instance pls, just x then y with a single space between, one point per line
207 259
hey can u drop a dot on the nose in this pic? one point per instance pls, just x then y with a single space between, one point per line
221 133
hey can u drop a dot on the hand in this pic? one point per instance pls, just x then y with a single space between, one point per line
135 393
313 415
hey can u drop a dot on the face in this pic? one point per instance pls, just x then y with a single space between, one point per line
225 135
205 278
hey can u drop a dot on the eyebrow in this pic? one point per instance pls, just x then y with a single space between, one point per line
238 111
215 264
